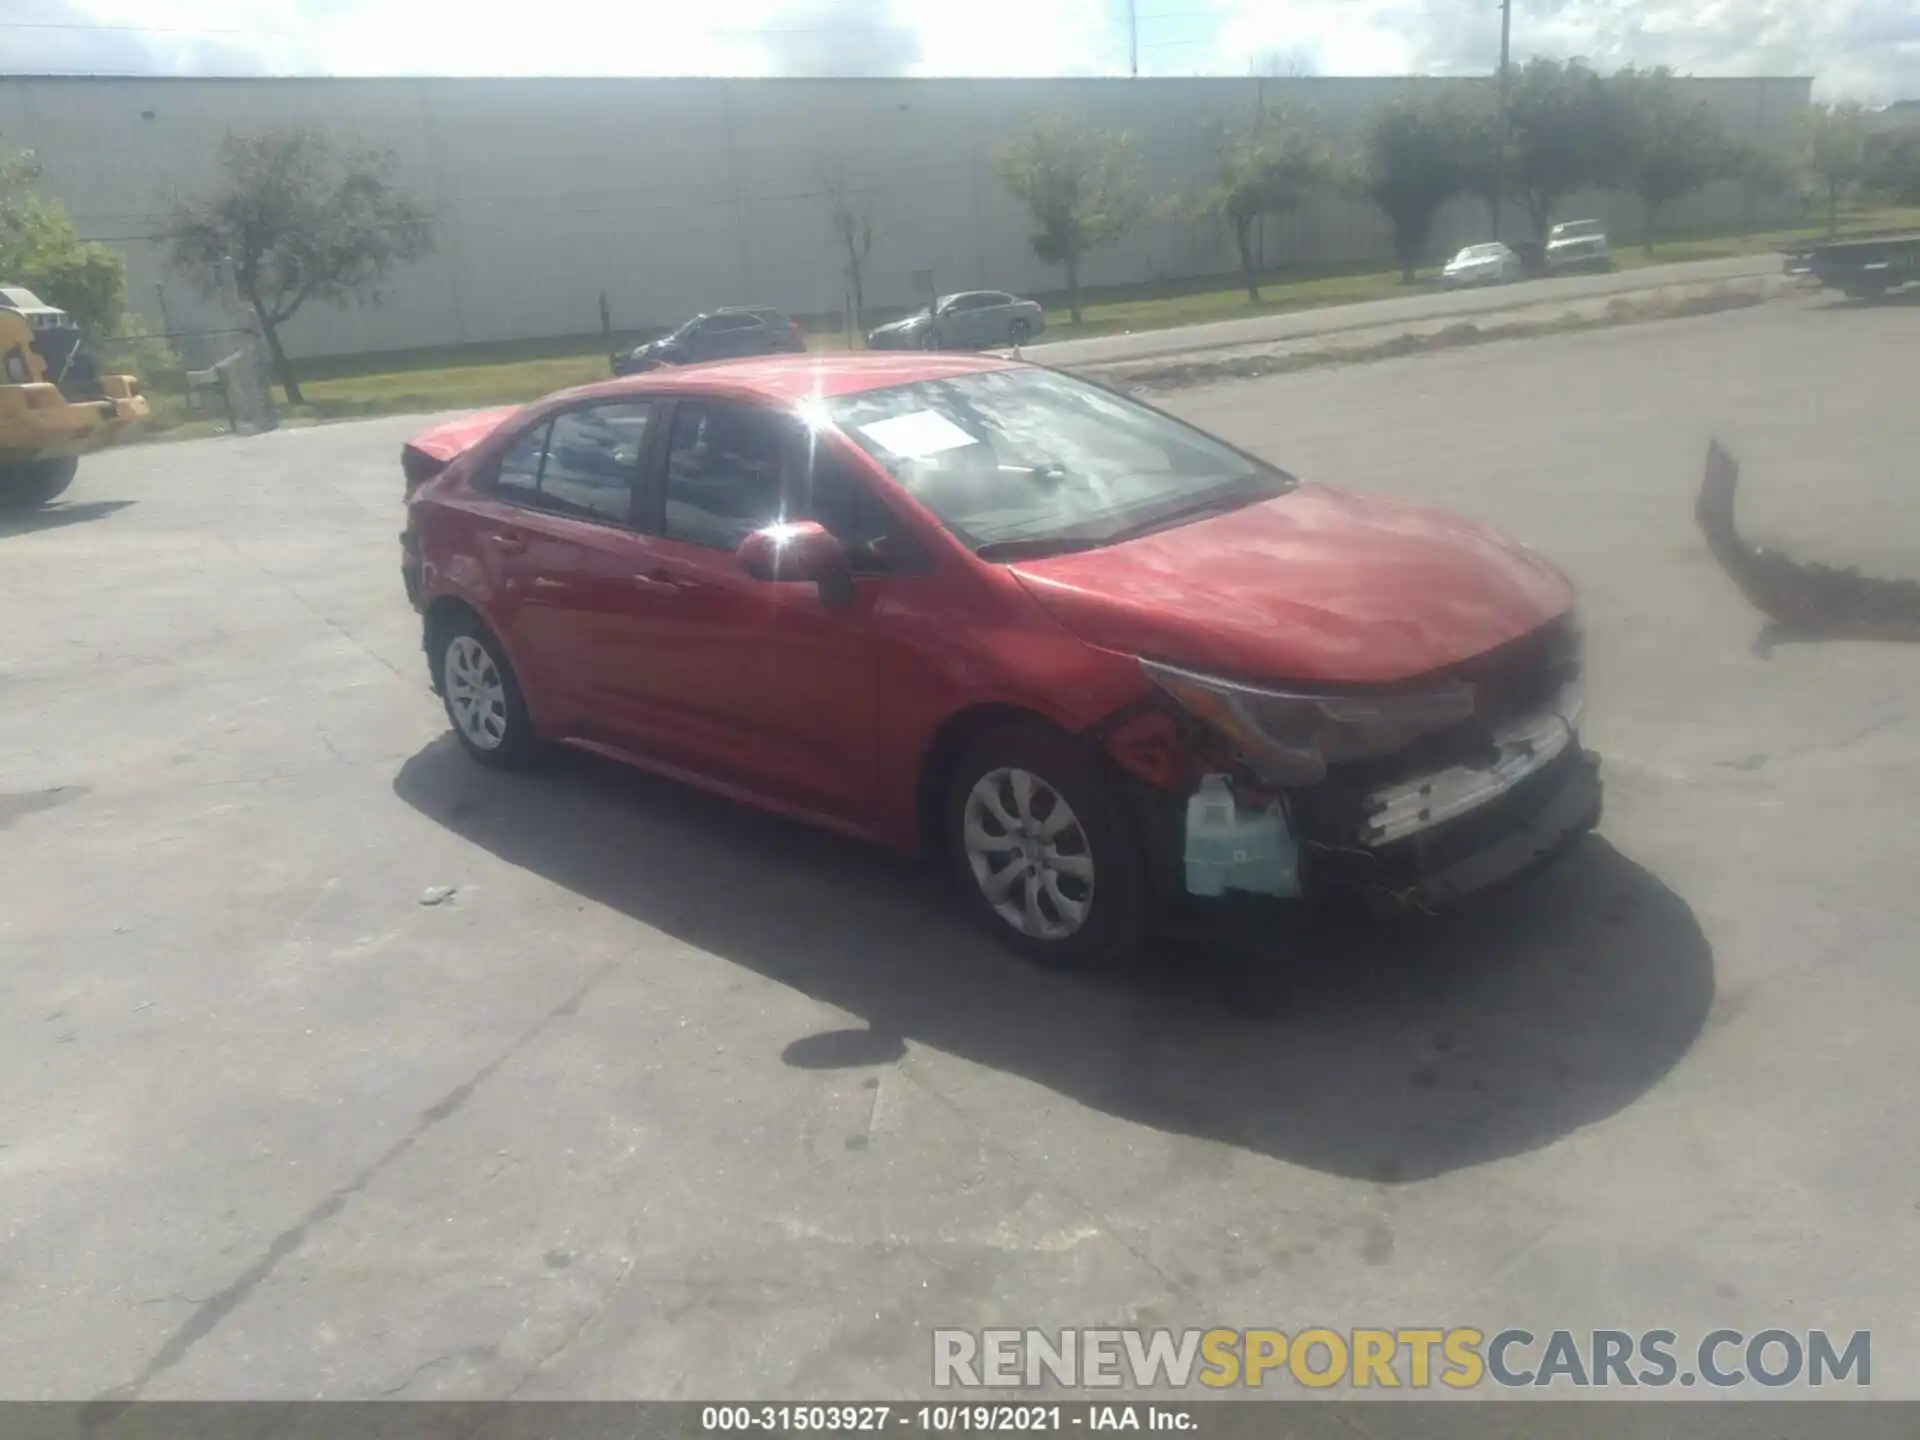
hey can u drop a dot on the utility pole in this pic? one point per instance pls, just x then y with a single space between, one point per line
1501 130
1133 38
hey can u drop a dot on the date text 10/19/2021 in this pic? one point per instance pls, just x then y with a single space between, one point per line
944 1419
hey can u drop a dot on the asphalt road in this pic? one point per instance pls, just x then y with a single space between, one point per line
668 1099
1431 303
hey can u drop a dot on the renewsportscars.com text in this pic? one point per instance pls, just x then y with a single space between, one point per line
1415 1359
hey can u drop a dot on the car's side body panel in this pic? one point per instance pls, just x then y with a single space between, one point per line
669 656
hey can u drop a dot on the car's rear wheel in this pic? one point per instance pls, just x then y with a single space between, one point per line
1041 849
34 482
483 697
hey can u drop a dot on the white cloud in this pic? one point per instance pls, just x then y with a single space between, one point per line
1869 48
1017 37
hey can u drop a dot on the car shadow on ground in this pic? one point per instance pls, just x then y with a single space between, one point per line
1388 1051
52 517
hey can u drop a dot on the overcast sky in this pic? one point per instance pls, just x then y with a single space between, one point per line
1866 48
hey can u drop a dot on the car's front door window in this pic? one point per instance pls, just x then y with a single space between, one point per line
726 464
875 539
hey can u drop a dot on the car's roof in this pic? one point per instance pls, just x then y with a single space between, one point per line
789 379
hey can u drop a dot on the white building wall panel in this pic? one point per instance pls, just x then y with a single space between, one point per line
674 195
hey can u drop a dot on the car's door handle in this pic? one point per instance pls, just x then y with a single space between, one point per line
507 544
659 580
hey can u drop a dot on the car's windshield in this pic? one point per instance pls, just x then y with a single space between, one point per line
1575 229
1024 462
1479 252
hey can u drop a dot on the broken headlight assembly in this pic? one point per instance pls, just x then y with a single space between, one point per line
1291 738
1566 664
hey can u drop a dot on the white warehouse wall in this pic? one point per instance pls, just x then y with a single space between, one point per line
677 195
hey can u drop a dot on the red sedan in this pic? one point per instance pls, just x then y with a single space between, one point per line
1097 660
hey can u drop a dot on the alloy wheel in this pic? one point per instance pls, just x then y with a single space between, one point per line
476 693
1029 853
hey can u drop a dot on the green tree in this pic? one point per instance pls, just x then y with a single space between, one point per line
1562 136
1268 168
40 249
1669 145
294 219
1894 167
1418 155
1764 173
1082 188
1834 147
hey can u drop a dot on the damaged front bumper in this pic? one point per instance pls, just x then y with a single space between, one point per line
1521 817
1426 839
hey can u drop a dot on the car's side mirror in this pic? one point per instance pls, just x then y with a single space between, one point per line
802 551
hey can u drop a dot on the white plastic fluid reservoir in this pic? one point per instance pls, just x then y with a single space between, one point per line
1228 850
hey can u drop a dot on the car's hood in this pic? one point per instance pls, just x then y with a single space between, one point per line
1314 586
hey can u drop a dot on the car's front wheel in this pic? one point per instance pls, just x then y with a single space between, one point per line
483 697
1019 332
1041 849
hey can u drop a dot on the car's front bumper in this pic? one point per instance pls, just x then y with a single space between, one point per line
1477 849
1518 829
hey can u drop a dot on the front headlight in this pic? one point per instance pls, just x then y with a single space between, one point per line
1291 738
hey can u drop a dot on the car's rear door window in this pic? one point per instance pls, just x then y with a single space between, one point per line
593 461
518 477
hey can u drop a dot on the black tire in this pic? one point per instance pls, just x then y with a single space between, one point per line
517 745
1118 910
1019 332
32 483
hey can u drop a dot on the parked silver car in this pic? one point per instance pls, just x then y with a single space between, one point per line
970 320
1488 264
1578 245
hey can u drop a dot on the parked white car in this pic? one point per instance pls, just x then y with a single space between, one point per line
1578 245
1488 264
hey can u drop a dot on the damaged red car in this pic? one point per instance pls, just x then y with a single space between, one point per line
1097 661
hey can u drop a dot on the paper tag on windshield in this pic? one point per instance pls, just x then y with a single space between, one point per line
916 436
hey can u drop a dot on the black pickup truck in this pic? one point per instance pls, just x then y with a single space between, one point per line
1862 267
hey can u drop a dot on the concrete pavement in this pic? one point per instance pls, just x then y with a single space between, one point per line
335 1067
